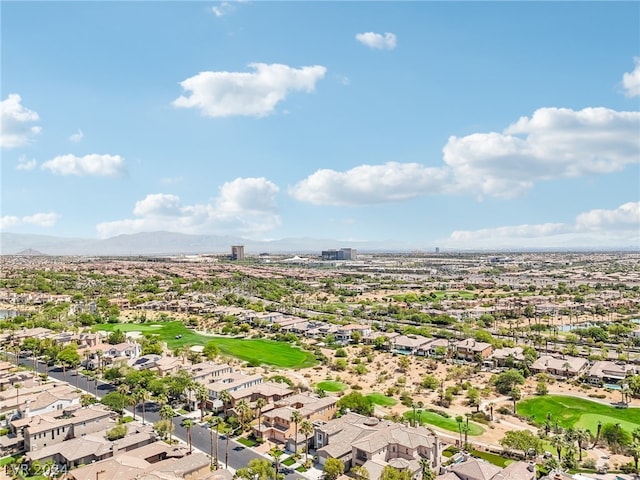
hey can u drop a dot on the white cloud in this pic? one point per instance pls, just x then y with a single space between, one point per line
89 165
631 81
225 94
245 206
15 120
625 217
370 184
378 41
171 180
25 164
76 137
38 219
552 143
222 9
619 227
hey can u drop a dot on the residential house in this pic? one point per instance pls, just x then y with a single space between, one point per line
508 357
408 344
276 424
93 447
477 469
51 428
612 373
51 400
471 350
344 334
562 367
366 441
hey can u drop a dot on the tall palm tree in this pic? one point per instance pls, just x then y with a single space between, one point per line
187 424
123 390
296 417
17 386
559 443
260 403
582 437
634 451
225 398
306 429
276 454
167 413
242 407
202 395
459 419
142 396
219 424
595 442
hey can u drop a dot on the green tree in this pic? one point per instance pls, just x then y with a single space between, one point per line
211 350
257 469
356 402
333 468
306 429
522 440
188 424
117 336
117 432
505 381
69 358
296 418
167 413
390 473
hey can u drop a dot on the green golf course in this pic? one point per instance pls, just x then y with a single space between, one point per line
256 351
577 412
332 386
446 423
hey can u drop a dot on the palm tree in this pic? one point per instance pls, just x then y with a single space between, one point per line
515 396
276 454
306 429
123 390
459 419
217 422
296 417
595 442
167 413
634 451
142 396
225 398
260 403
491 405
581 436
242 407
558 442
425 468
202 395
17 386
187 423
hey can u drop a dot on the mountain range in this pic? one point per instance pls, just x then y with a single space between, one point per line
170 243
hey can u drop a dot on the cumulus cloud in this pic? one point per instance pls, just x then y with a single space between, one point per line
370 184
26 164
244 206
77 137
619 227
378 41
38 219
553 143
256 93
631 80
15 123
90 165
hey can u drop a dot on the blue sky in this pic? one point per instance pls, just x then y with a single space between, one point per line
454 124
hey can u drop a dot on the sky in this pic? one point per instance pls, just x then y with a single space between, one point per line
458 125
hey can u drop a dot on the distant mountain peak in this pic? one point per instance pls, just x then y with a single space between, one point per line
30 252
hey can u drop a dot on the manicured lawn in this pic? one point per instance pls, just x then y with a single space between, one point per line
432 418
492 458
577 412
253 350
288 461
331 386
247 442
381 399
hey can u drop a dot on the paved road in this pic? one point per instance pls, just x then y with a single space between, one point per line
201 436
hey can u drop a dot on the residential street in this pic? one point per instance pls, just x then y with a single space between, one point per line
201 437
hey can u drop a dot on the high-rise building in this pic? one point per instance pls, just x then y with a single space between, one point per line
237 252
342 254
